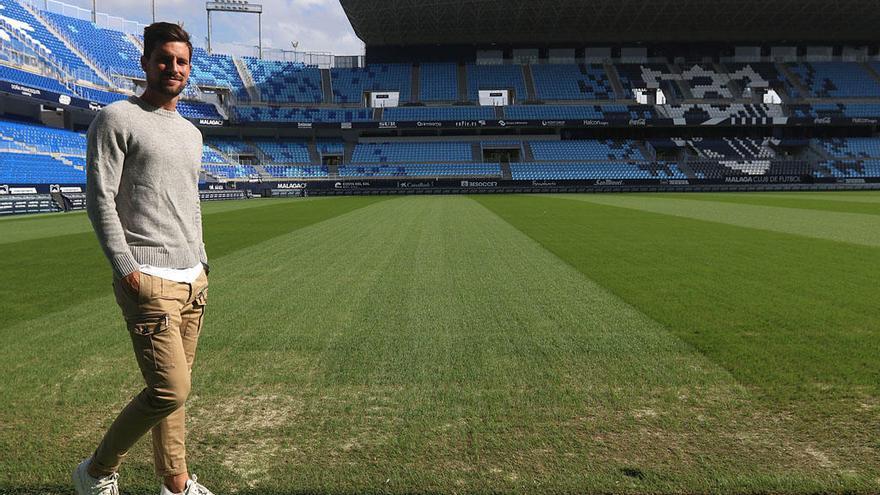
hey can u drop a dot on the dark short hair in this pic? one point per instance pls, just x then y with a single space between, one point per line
159 33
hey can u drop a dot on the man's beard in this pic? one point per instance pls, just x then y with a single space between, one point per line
159 87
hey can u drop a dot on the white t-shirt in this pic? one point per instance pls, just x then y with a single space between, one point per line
182 275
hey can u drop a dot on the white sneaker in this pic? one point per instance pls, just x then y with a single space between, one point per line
86 485
193 487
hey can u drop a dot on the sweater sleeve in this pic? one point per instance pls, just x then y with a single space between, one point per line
105 157
203 255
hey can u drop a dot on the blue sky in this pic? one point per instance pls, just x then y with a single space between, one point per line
318 25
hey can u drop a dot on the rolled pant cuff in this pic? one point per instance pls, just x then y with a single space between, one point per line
165 472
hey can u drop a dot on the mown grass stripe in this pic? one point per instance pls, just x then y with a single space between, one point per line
29 227
851 228
46 275
417 345
793 201
789 316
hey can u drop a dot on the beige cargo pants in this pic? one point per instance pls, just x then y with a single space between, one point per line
164 320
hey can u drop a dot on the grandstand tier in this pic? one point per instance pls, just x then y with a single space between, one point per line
669 114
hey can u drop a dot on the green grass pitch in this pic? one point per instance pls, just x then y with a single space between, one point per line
675 343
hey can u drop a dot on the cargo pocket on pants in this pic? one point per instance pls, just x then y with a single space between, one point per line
147 336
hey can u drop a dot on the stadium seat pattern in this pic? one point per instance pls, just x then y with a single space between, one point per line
285 82
349 85
572 82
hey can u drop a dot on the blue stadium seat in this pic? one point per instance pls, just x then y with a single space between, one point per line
412 152
836 79
438 82
32 80
109 50
55 50
217 71
285 82
486 77
284 151
581 150
349 85
572 82
595 171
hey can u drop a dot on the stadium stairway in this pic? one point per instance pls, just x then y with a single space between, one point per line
528 153
614 77
686 169
327 86
261 155
48 66
506 173
223 155
70 46
462 83
735 89
247 79
349 152
135 41
416 83
314 156
264 174
476 153
870 70
683 86
794 79
529 78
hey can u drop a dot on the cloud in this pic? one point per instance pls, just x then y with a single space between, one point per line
317 25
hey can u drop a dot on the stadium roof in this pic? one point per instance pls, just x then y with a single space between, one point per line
480 22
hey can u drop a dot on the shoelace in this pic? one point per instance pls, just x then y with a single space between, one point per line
107 482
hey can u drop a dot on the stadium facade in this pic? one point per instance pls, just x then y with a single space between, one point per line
501 96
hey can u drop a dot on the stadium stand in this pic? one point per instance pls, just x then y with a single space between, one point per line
579 112
330 146
836 79
594 171
110 50
486 77
284 151
53 49
585 151
638 76
285 82
706 82
287 172
41 139
38 81
851 147
423 170
247 114
836 110
438 82
210 156
412 152
349 85
572 82
231 171
25 168
217 71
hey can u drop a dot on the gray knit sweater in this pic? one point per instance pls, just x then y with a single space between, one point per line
142 192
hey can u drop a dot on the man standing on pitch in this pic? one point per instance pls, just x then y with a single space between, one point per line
142 189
